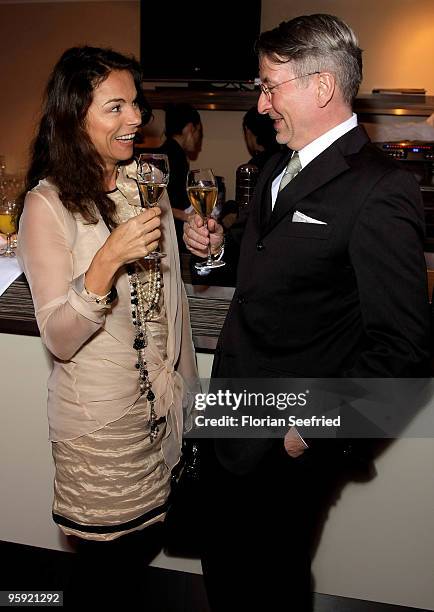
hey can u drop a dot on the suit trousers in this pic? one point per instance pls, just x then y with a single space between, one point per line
258 531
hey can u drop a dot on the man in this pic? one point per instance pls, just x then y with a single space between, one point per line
184 132
331 283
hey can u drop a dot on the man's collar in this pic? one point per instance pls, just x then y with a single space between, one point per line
320 144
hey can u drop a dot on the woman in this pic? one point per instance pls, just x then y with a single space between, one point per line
116 325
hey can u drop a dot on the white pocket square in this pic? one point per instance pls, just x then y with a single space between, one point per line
299 217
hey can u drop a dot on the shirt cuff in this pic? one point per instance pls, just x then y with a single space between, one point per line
219 257
84 303
221 251
295 430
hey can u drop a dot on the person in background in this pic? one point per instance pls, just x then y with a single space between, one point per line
331 283
184 133
116 325
260 137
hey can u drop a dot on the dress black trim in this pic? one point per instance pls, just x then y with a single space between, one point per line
144 518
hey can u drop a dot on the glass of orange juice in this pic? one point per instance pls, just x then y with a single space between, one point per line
7 226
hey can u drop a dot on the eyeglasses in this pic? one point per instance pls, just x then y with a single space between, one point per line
268 91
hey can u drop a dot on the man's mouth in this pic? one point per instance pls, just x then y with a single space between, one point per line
277 122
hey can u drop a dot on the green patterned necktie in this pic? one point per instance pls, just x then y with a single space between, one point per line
292 169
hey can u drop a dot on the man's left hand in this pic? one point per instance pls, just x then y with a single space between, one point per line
294 443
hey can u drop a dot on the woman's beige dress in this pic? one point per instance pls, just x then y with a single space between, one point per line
110 477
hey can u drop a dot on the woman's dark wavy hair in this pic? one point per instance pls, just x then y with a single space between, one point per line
62 150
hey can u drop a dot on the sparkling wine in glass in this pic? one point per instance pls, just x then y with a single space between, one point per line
152 178
202 193
7 226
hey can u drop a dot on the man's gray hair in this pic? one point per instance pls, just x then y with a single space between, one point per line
313 43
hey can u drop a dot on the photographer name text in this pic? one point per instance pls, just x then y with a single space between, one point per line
250 421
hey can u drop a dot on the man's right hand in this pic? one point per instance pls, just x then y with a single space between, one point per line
197 236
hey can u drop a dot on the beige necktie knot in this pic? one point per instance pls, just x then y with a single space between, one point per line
292 169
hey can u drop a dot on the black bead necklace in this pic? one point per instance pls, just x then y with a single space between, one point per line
145 298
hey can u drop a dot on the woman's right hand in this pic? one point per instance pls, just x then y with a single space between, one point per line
130 241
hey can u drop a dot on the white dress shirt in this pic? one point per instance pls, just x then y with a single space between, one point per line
314 148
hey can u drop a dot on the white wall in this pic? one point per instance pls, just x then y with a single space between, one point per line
378 542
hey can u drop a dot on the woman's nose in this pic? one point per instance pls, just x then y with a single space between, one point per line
135 116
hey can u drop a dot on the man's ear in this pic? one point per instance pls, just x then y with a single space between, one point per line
188 128
326 88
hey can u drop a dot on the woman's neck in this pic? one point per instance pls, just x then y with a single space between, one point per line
110 178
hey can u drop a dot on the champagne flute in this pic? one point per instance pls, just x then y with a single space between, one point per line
202 193
7 225
152 178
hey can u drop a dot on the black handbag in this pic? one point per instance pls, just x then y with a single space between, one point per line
182 522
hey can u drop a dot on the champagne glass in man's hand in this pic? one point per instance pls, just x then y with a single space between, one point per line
202 193
152 178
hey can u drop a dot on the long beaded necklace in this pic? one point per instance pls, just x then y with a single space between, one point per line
145 298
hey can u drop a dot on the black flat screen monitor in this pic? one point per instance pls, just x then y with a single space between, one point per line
195 41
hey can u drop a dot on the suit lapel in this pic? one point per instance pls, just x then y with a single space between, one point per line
263 188
324 168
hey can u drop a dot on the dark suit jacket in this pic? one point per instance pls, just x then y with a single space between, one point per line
347 298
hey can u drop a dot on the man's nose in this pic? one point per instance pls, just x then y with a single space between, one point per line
264 104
